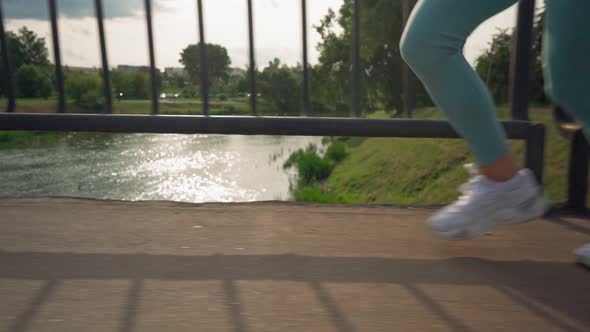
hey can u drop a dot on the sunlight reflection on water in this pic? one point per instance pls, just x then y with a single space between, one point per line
189 168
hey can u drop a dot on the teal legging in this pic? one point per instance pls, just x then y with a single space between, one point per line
432 45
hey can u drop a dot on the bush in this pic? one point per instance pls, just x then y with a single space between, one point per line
342 109
279 85
310 166
336 152
86 91
229 110
33 82
78 84
189 91
320 109
91 101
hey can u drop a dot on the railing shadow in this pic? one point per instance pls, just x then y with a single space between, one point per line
537 310
233 306
23 321
560 286
569 225
339 319
452 322
129 319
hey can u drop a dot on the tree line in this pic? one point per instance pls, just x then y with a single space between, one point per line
34 75
493 65
330 79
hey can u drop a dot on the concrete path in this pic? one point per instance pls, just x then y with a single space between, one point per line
82 265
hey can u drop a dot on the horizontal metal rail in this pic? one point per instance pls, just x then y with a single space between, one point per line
243 125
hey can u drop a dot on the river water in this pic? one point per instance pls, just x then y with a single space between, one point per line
186 168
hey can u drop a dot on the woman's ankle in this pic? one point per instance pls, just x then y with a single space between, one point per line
502 170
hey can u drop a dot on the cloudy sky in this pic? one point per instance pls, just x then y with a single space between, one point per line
278 32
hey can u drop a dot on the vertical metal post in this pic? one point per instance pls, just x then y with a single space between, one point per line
153 74
253 92
577 191
306 102
408 79
204 60
8 77
535 150
61 102
106 77
356 60
522 61
490 63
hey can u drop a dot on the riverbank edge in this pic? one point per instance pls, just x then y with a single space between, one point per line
422 171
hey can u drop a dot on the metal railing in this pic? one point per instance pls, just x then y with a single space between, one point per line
532 134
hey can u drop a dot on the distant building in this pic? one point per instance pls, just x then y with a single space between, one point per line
237 72
86 70
176 72
133 69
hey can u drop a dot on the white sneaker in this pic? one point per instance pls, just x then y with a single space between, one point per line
583 255
486 204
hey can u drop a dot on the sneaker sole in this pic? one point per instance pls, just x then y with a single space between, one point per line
583 259
510 216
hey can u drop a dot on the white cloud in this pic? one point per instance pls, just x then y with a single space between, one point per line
37 9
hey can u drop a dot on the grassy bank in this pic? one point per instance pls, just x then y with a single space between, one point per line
230 106
12 139
421 171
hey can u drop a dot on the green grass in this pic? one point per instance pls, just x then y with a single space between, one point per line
15 139
424 171
316 194
231 106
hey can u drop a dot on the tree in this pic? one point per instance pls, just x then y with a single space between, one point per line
190 91
493 65
121 84
217 58
280 86
32 48
538 88
380 57
243 84
86 90
178 81
135 84
26 48
141 85
32 82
